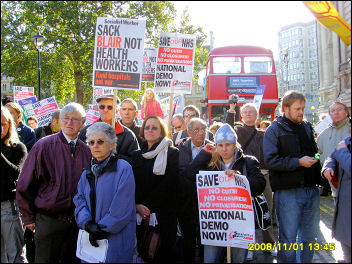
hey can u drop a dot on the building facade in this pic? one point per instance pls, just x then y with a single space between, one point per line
6 86
334 63
298 64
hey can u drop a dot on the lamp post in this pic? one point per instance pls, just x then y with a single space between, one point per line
38 40
313 113
285 55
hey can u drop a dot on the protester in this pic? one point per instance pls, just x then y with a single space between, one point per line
32 122
13 156
53 127
178 123
227 156
111 214
151 104
189 112
25 133
289 148
215 126
251 140
187 207
155 169
331 136
126 142
340 160
47 185
264 125
129 112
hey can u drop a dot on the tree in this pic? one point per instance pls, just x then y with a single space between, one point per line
69 28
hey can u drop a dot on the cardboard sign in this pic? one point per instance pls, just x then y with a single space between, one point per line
27 106
118 53
257 100
43 110
97 92
174 69
92 116
149 64
22 92
225 210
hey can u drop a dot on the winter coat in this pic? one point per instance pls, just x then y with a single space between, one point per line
26 135
341 226
115 207
153 108
282 152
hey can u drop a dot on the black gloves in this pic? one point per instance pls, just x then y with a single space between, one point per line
95 232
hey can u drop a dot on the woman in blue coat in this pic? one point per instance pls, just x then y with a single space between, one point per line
105 201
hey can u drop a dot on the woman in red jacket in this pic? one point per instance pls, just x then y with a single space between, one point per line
151 105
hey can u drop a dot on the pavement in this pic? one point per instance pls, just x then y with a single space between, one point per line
324 236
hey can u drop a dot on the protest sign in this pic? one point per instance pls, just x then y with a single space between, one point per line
149 63
225 210
22 92
324 124
92 116
101 91
118 53
93 106
257 100
27 106
175 58
43 110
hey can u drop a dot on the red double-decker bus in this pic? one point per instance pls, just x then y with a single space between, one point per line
240 70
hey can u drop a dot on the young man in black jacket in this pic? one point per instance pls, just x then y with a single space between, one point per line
289 150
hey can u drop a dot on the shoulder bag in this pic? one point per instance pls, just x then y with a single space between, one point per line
150 242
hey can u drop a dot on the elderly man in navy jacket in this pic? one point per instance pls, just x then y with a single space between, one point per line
47 185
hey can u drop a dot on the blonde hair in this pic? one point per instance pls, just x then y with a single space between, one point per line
18 109
11 137
144 98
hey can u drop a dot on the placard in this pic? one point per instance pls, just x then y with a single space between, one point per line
43 110
149 64
225 210
175 58
92 116
27 106
22 92
118 53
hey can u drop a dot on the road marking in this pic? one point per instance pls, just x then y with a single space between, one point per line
326 205
326 211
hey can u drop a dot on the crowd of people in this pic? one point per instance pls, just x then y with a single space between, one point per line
109 180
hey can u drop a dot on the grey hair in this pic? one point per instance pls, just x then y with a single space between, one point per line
249 105
195 120
73 107
102 128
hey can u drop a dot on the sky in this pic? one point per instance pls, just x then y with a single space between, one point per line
254 23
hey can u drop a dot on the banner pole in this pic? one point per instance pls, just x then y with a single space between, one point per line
114 109
170 114
228 254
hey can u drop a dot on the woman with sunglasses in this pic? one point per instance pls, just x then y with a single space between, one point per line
227 156
150 104
13 156
105 202
155 168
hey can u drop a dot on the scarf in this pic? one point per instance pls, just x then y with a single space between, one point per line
161 156
98 167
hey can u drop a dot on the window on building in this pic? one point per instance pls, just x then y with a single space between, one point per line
4 87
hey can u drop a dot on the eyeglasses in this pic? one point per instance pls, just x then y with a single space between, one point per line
102 107
177 127
189 115
99 142
337 110
199 130
74 120
151 128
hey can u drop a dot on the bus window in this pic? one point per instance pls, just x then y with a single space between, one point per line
226 65
258 65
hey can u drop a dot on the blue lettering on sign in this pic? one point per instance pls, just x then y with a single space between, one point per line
242 81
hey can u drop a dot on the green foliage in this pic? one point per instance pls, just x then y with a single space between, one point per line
67 53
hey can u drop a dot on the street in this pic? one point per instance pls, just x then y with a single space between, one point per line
324 236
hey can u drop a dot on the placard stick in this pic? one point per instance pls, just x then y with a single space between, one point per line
114 108
170 114
228 254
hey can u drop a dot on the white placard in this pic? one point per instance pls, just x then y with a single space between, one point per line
175 58
225 210
44 109
22 92
118 53
87 252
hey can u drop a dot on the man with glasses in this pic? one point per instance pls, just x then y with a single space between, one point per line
126 139
187 211
46 187
189 112
328 139
178 123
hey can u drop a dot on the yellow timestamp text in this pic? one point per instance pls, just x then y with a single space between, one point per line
290 246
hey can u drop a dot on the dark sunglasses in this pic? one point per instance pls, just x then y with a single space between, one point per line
189 115
99 142
177 127
102 107
151 128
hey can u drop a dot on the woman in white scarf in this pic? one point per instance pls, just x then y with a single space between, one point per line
155 168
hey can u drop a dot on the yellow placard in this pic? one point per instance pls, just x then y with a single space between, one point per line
328 16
